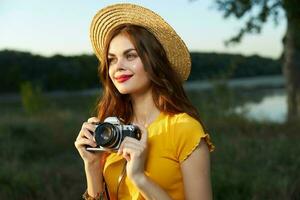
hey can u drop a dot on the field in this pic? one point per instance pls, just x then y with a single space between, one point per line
252 160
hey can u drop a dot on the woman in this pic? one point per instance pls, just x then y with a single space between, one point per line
143 64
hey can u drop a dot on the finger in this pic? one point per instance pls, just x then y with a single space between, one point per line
127 157
89 126
129 140
83 142
144 137
86 133
129 153
136 147
132 149
93 120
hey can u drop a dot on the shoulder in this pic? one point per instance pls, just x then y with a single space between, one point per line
181 117
185 121
188 131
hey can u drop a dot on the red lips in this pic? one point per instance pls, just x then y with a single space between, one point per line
123 78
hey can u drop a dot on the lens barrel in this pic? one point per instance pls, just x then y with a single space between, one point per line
107 135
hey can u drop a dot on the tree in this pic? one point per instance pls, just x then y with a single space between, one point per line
257 12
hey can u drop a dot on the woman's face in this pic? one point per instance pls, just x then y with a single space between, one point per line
126 69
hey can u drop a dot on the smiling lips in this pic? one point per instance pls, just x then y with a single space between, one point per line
123 78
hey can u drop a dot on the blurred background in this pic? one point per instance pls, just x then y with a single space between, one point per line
245 82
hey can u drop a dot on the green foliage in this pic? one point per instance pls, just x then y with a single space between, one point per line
51 73
227 66
252 160
32 98
80 72
255 13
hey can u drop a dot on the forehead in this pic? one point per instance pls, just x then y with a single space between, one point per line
119 44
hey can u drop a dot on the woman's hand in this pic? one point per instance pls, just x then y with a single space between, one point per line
85 138
135 152
93 161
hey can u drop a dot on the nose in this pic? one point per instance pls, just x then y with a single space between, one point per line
120 64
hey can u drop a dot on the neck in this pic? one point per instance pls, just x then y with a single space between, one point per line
144 108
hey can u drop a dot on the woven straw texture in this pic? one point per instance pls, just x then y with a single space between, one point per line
109 17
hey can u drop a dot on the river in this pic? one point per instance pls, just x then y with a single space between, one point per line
265 96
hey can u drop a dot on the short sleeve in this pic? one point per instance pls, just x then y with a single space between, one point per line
187 134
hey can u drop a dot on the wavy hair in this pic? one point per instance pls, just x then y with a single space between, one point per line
167 90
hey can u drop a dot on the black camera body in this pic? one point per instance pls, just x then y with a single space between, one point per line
110 134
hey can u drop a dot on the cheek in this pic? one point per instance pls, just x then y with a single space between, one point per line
138 68
110 73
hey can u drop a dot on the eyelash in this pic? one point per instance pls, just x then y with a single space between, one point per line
130 55
109 60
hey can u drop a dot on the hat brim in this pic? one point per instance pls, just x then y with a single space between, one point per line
112 16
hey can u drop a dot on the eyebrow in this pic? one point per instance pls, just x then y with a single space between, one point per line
125 52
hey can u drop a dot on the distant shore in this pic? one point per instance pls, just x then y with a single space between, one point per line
238 83
277 81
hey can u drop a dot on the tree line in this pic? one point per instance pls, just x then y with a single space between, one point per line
80 72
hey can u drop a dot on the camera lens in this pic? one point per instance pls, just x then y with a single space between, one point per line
106 135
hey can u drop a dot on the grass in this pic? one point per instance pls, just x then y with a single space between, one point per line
253 160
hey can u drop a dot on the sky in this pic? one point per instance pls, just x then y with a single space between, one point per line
49 27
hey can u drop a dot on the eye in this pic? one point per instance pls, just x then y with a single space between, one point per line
111 60
131 56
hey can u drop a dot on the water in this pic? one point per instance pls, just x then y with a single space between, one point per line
272 106
261 105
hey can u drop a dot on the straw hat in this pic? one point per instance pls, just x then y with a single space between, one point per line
114 15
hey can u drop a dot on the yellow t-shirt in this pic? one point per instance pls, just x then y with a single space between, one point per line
171 139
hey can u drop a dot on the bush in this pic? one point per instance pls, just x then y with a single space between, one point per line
32 98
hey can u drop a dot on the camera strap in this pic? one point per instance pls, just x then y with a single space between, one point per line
106 190
121 177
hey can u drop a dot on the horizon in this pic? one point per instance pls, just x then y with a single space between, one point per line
92 54
59 28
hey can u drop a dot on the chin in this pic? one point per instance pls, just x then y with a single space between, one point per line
129 91
132 89
123 90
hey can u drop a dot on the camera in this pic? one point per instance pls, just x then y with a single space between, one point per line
110 134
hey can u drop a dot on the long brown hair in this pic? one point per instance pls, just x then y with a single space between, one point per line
167 90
